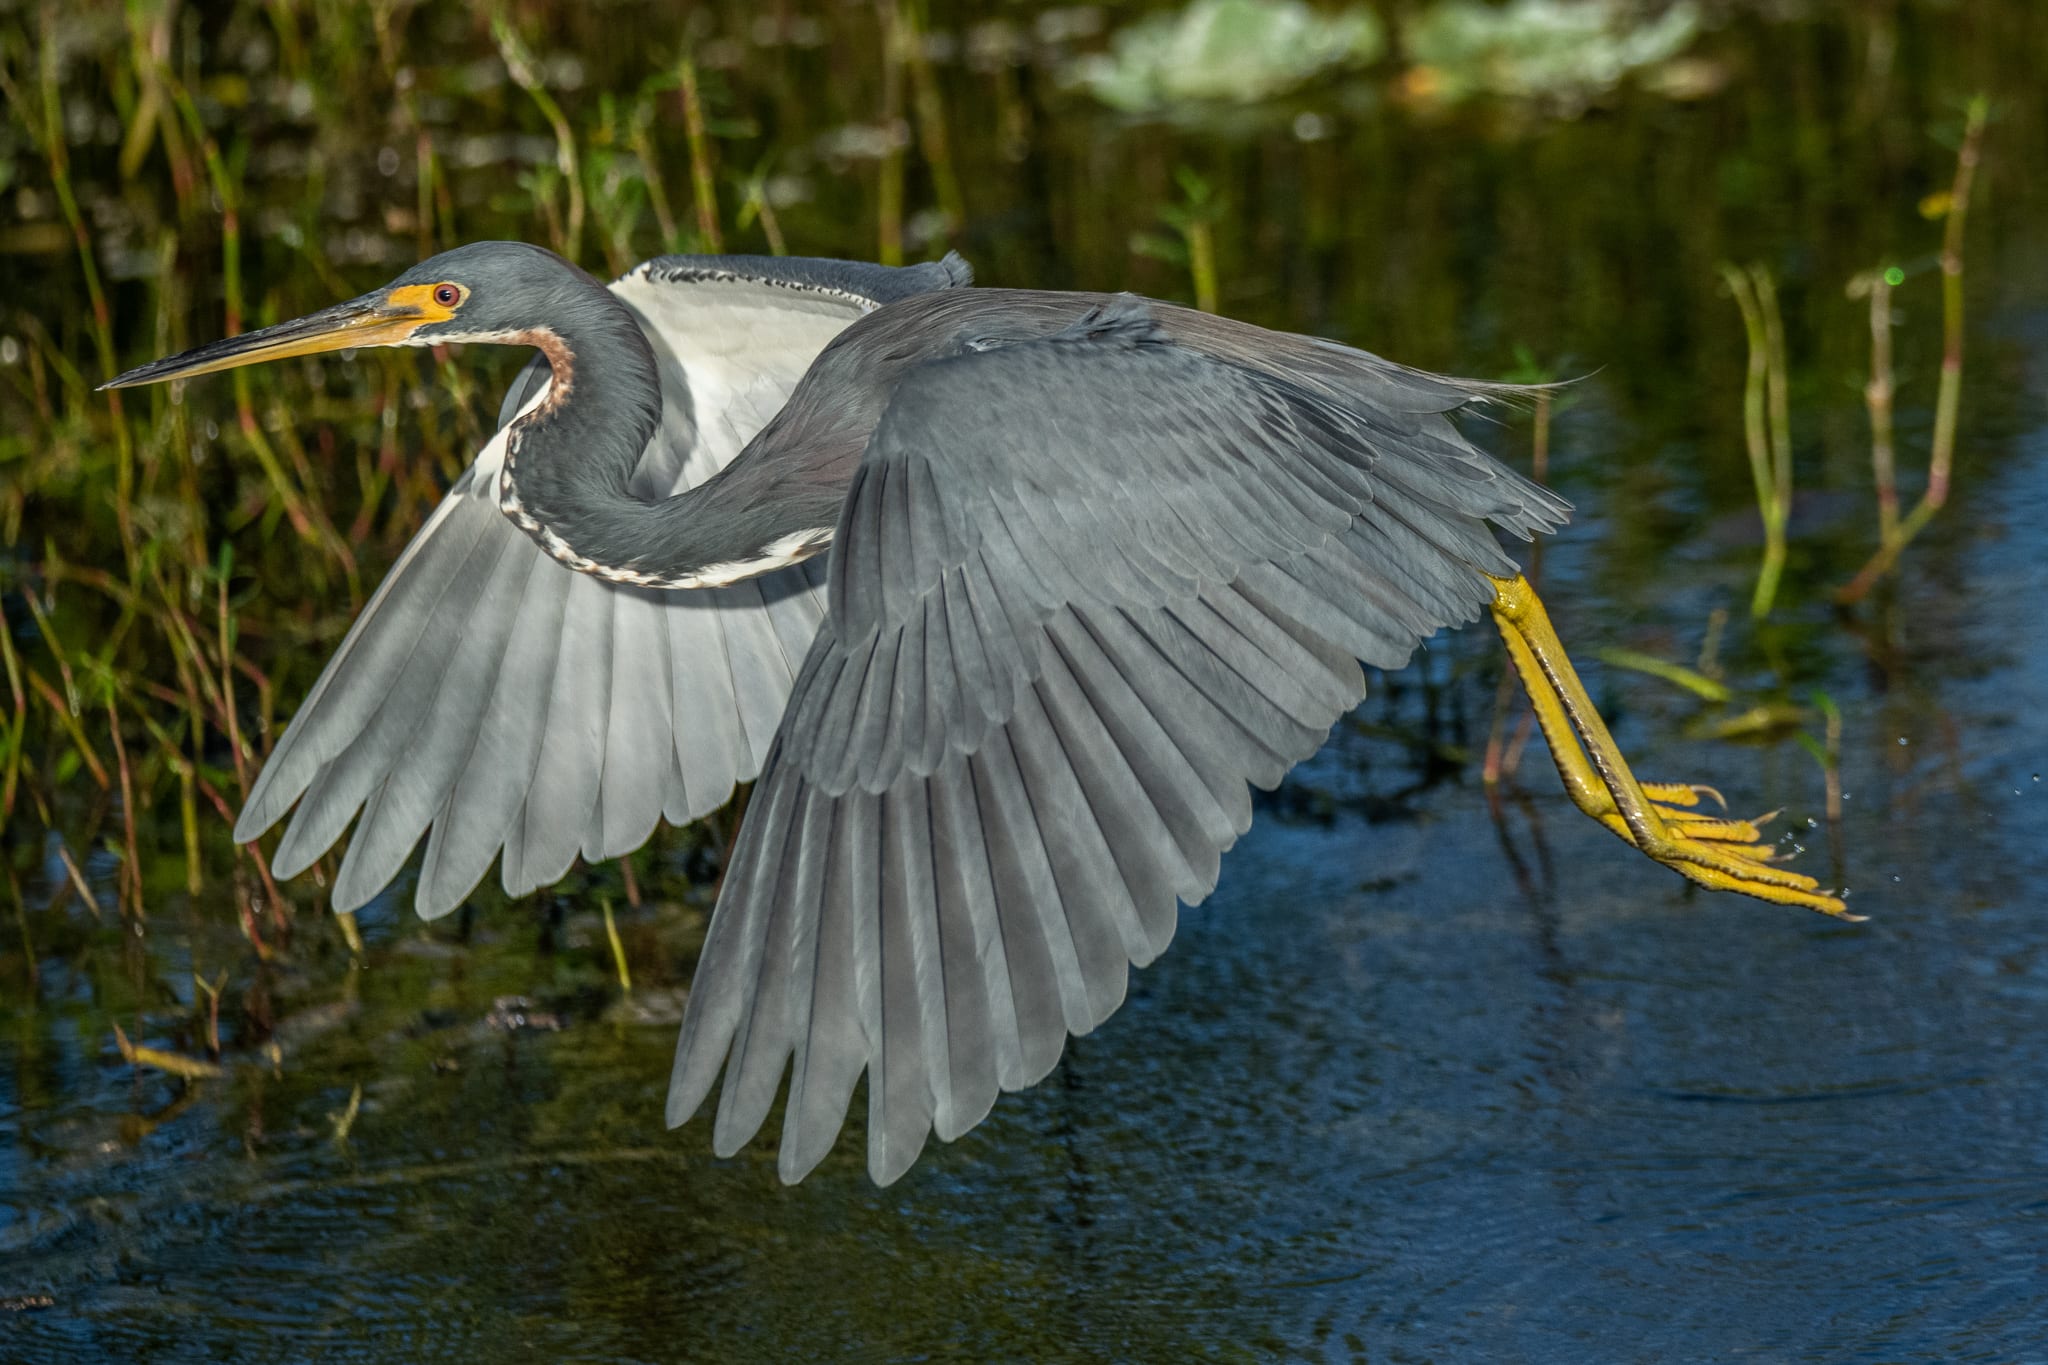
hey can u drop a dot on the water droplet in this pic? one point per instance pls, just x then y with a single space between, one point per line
1902 741
1895 876
1811 822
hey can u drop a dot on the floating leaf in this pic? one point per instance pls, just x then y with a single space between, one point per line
1697 683
1226 52
190 1068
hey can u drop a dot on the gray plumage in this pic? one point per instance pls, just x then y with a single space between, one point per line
1102 563
1097 565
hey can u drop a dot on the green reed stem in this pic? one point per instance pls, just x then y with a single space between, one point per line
131 863
44 123
889 186
188 805
28 946
611 931
526 75
1949 397
642 142
931 117
1877 397
755 204
703 189
1765 422
17 724
308 520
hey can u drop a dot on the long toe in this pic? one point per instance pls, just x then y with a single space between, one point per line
1742 869
1685 825
1686 794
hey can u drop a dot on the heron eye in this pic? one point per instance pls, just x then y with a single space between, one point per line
447 295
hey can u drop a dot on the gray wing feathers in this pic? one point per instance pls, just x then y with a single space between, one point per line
477 815
1084 590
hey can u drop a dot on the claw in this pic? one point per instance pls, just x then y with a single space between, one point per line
1682 793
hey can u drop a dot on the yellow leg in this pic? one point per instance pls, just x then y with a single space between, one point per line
1725 855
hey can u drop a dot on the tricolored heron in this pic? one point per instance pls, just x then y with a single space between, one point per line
1095 564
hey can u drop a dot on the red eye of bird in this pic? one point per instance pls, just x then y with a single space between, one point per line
446 295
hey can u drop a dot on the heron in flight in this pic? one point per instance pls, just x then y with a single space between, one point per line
1005 596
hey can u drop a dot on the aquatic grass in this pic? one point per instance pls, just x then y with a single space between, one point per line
890 169
129 884
343 1121
519 63
188 807
28 943
74 883
703 184
934 143
1766 421
307 517
1192 245
1678 675
619 190
755 204
1878 392
210 992
42 119
640 137
1896 534
66 706
14 738
611 933
1827 751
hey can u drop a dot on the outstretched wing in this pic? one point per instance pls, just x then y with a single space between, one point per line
493 699
1084 590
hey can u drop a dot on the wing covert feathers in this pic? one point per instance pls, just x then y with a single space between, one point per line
1085 590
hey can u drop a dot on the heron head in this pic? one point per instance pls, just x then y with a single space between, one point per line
486 291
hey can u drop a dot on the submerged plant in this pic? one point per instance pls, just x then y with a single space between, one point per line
1894 533
1193 243
1226 52
1766 421
1564 52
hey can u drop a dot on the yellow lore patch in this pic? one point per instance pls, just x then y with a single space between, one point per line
419 298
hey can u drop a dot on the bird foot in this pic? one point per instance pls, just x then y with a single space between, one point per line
1723 855
1659 818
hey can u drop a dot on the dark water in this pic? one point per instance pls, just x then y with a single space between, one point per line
1420 1081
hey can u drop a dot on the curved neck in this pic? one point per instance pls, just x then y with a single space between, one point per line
570 460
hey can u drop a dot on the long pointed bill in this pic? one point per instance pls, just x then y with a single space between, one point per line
377 319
